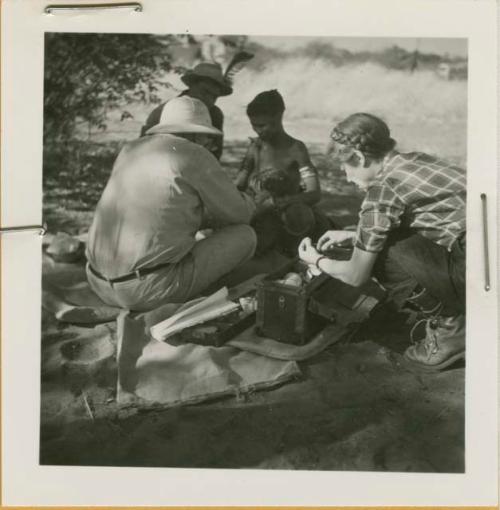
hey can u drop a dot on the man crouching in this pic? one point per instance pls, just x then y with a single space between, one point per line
164 188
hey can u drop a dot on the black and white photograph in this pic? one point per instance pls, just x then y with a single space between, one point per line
249 254
255 254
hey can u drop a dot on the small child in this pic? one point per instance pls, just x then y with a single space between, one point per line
278 172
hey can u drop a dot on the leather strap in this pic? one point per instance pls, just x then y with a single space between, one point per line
130 276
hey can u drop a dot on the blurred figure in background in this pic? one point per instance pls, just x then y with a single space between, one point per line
222 48
185 51
278 172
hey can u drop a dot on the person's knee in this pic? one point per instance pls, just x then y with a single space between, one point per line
403 249
249 237
237 241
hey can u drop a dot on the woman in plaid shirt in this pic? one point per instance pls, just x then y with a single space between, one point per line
410 235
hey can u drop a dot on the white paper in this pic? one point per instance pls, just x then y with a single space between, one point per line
211 307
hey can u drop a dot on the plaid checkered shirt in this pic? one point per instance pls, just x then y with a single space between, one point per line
415 191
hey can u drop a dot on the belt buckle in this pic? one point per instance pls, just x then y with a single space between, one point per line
138 274
109 281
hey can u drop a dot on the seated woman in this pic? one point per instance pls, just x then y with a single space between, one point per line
279 174
411 234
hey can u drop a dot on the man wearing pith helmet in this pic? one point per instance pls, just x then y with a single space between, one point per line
207 83
165 187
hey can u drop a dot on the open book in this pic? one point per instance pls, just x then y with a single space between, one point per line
195 312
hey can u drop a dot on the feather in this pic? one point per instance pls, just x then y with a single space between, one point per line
237 63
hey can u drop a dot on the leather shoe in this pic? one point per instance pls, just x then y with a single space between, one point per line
443 344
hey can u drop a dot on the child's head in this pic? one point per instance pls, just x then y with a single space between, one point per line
265 112
360 142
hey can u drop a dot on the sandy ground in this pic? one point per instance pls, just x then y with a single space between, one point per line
356 407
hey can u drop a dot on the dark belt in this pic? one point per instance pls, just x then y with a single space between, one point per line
139 273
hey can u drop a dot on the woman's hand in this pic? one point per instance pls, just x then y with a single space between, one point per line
307 252
334 237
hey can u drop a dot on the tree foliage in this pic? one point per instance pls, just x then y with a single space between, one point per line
87 74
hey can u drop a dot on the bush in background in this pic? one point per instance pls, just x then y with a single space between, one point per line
86 75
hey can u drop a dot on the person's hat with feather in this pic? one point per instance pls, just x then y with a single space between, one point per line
213 71
208 71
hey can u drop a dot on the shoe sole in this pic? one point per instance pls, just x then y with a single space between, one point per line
438 367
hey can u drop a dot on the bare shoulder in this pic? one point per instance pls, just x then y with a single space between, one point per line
300 152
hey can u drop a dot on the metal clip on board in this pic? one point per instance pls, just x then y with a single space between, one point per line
61 8
487 284
41 229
